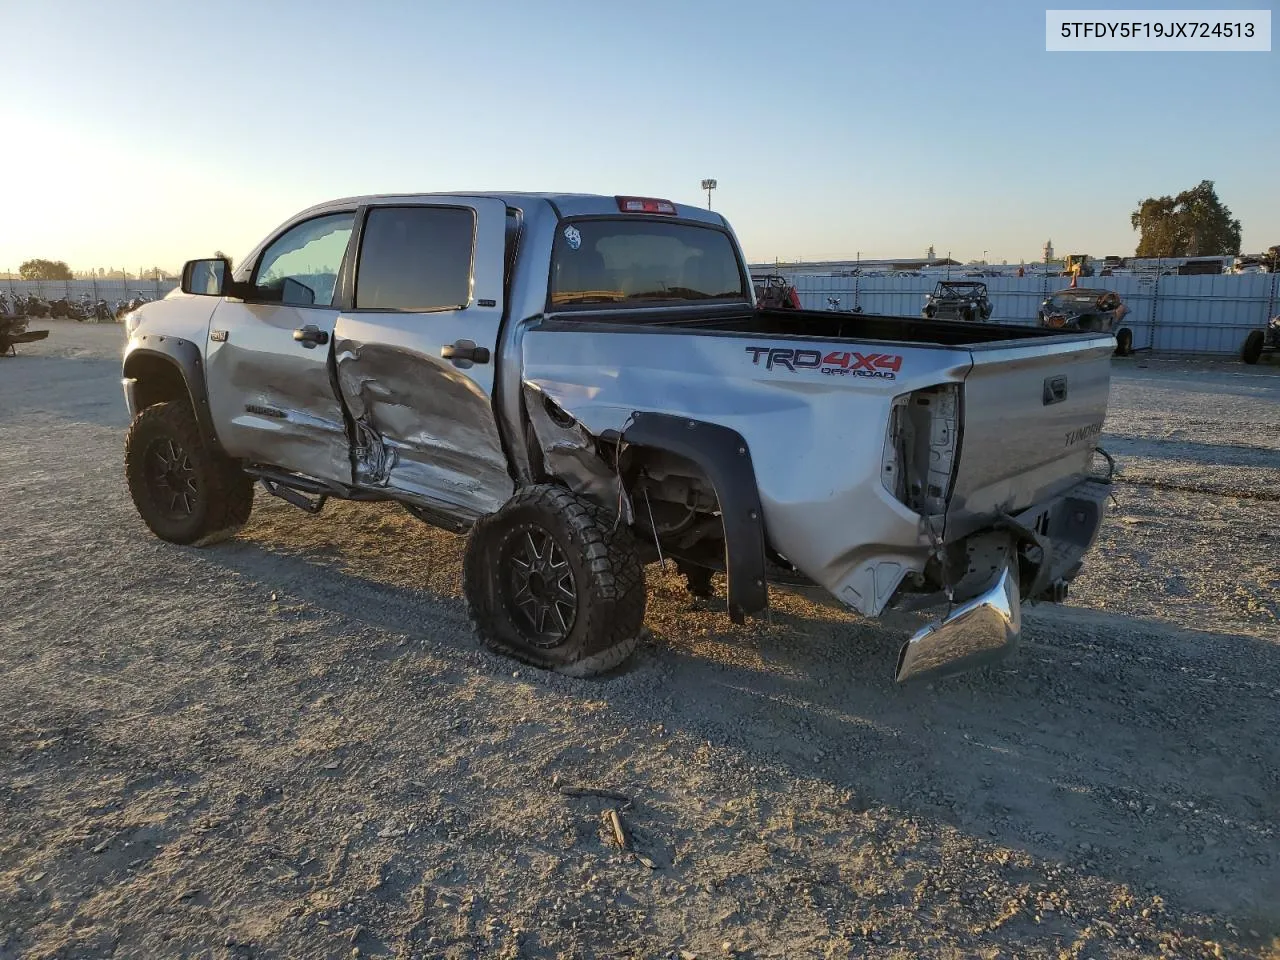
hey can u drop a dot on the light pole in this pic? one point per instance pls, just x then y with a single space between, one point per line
708 185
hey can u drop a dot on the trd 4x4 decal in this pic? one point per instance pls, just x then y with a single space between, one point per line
883 366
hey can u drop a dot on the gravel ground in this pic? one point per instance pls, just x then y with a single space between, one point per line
289 745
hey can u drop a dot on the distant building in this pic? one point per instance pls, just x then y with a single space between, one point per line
1048 251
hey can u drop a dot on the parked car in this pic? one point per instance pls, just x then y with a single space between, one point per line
584 385
1262 341
957 300
1087 309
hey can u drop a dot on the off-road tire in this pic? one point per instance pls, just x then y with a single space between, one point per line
1251 352
608 581
1124 342
223 497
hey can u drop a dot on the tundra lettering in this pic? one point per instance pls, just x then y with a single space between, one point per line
1083 433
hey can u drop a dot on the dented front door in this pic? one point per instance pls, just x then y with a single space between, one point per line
415 353
267 359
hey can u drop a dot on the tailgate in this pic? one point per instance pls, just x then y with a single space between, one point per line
1032 416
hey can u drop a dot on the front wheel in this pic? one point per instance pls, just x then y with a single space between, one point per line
1251 352
184 491
551 580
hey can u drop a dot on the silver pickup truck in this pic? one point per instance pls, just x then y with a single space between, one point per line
585 384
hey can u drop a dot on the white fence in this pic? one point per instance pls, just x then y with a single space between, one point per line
104 289
1200 314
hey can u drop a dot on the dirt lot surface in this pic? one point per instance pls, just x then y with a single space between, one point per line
289 745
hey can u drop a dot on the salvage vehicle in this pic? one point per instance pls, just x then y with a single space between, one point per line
583 385
957 300
13 329
1086 309
775 292
1259 342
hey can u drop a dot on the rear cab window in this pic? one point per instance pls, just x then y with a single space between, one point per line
416 259
597 262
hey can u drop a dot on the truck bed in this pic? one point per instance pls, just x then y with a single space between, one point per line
813 393
830 325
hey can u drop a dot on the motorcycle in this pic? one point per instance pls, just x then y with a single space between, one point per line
80 309
36 307
102 312
13 327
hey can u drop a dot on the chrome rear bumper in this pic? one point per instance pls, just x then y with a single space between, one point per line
981 631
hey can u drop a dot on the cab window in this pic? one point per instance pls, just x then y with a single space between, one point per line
301 266
416 259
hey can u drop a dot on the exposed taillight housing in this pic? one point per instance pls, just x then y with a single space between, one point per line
922 447
646 205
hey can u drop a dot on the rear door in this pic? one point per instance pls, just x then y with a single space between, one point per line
1032 416
268 355
415 353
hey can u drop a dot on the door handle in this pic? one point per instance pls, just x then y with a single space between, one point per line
464 352
310 335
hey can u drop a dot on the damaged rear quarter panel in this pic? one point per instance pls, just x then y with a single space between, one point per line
816 439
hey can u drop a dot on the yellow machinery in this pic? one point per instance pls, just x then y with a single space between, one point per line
1077 265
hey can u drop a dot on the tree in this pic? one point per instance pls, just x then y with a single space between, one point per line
45 270
1194 223
230 262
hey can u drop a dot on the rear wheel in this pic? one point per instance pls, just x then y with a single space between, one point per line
551 581
1251 352
184 491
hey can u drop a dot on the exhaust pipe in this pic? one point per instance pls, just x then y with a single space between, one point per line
981 631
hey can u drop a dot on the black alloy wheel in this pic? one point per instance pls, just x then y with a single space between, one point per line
539 587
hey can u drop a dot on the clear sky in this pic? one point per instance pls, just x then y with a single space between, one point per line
148 133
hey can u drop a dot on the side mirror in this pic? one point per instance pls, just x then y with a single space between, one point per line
206 278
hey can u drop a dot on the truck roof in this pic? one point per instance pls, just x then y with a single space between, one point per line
568 204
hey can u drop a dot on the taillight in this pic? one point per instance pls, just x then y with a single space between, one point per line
646 205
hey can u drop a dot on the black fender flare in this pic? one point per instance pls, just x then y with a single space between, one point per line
185 357
724 456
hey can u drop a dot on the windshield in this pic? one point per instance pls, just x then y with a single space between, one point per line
626 260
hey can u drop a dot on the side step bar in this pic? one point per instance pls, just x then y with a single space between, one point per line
299 490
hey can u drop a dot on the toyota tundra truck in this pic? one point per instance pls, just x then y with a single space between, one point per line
584 385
